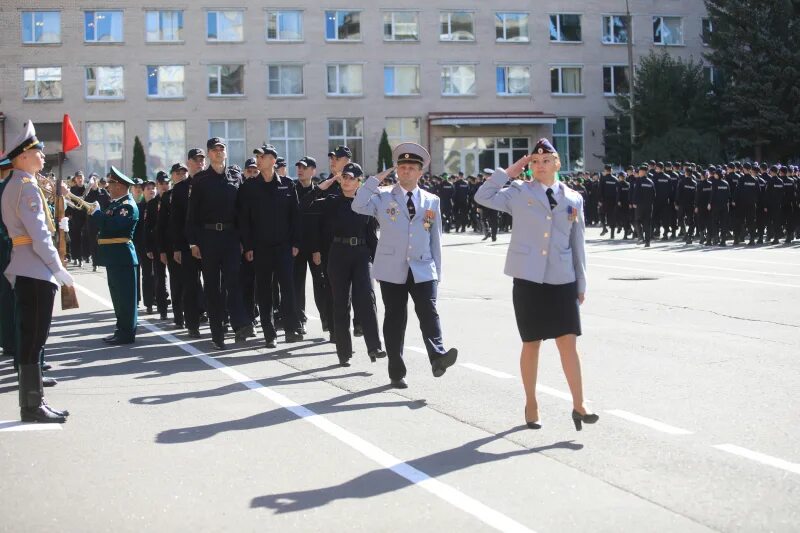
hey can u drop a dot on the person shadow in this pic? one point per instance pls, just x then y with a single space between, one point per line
401 475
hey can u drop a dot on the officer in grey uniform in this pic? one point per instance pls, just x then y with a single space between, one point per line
408 258
35 270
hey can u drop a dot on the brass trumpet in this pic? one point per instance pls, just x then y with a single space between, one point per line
80 202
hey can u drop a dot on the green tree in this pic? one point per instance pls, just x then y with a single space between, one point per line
384 152
671 95
139 165
757 46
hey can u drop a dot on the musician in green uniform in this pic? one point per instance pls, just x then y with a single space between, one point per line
116 252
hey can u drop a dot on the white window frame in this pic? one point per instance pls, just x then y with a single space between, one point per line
337 39
105 143
345 140
506 68
661 22
565 157
558 26
402 66
392 39
219 93
280 67
284 141
219 12
229 139
500 16
612 66
86 82
455 66
96 12
338 67
178 148
159 12
560 69
277 13
703 28
449 14
403 136
32 14
158 74
608 29
36 80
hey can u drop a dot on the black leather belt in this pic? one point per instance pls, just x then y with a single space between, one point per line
219 226
351 241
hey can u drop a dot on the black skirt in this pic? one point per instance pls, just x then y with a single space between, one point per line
546 311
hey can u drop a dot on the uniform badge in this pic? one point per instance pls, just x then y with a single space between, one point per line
530 202
392 211
427 222
33 205
572 213
109 213
123 211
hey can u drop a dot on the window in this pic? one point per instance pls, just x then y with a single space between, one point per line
167 144
41 27
712 78
565 28
343 25
104 82
42 83
511 27
708 28
225 80
457 26
568 142
615 80
233 131
163 26
102 26
565 80
104 144
400 130
458 80
225 26
513 80
401 80
668 31
401 26
285 80
284 25
165 81
345 80
615 29
472 154
288 136
347 132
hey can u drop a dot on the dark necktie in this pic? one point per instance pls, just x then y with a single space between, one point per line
550 199
410 204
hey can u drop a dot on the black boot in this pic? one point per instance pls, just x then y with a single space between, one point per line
32 407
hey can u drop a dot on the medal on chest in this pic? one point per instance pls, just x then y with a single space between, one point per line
392 211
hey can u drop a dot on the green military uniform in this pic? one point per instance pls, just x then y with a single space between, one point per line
8 323
116 252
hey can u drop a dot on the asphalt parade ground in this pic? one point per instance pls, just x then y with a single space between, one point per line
691 357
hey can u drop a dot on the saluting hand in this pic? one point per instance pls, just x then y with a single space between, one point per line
325 185
382 176
516 169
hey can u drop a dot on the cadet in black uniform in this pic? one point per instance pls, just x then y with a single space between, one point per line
789 203
644 195
269 220
350 240
684 205
607 203
446 192
745 201
145 272
77 222
703 209
663 201
151 244
460 202
247 272
622 213
720 198
214 239
164 246
774 204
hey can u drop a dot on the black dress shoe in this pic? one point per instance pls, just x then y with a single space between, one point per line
399 384
40 414
163 315
270 343
49 382
110 337
244 332
441 364
293 336
119 341
54 410
358 331
46 367
194 333
303 330
219 344
588 418
376 354
149 309
344 363
177 325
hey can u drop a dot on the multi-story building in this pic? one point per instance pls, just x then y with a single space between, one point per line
475 82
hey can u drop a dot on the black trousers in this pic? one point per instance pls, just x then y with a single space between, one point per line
395 302
644 221
622 219
318 281
447 219
775 217
176 289
460 213
719 223
90 240
270 261
745 221
76 243
34 300
349 273
190 281
490 222
703 222
661 216
221 261
148 279
8 331
247 279
160 276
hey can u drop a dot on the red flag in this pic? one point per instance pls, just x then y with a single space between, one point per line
69 138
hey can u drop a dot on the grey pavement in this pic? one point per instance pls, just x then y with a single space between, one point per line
690 356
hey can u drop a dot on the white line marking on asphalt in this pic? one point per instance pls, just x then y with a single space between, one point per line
485 370
7 426
458 499
698 276
649 422
759 457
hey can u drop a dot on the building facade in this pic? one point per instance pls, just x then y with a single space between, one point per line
475 82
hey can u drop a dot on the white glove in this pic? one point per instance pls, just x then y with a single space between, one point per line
64 278
63 224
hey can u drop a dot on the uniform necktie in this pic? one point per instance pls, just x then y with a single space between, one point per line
410 204
550 199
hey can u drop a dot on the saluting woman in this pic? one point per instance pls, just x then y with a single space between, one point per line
546 258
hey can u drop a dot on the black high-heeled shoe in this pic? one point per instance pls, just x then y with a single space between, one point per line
579 419
531 425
